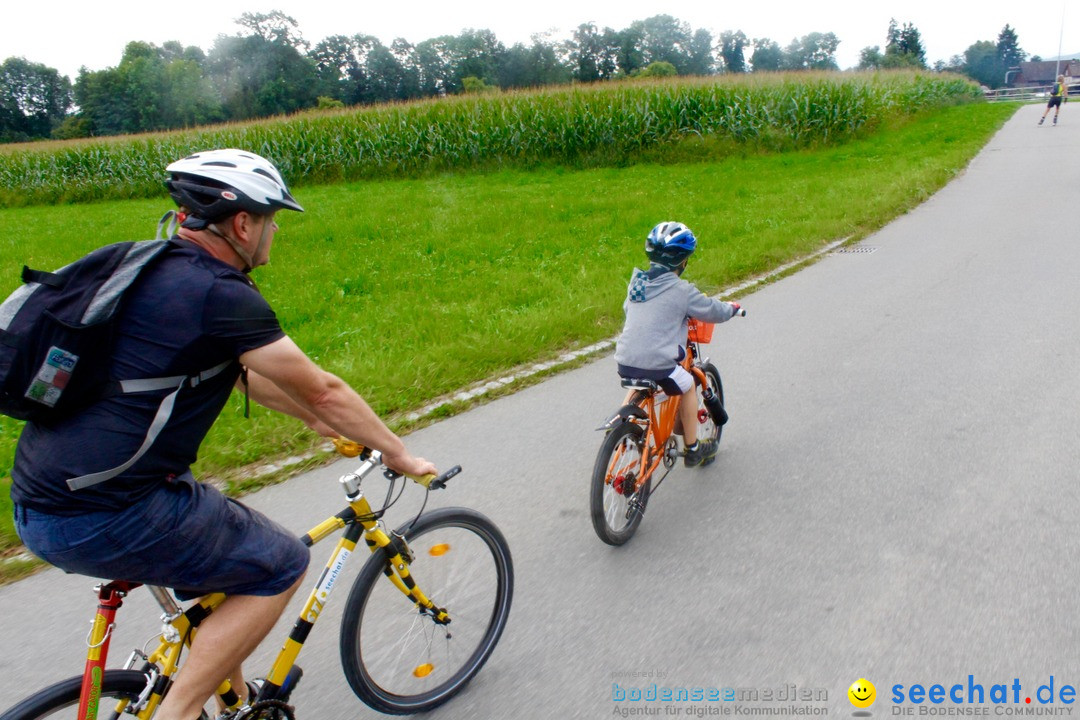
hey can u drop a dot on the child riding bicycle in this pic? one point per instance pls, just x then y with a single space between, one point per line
658 303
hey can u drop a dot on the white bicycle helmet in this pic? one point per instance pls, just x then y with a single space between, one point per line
216 184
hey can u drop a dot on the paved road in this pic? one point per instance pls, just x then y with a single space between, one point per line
895 497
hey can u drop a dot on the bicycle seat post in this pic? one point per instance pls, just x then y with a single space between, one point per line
110 598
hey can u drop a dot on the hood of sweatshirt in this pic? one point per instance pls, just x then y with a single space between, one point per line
647 284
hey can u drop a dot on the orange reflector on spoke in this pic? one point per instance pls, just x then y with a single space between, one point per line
440 549
423 670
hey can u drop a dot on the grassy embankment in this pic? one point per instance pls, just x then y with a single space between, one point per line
412 288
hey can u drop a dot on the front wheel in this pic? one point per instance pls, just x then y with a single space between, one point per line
617 498
397 659
710 429
119 688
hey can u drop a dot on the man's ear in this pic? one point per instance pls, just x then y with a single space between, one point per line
242 225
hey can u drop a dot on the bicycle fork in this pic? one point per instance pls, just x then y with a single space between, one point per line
398 559
709 399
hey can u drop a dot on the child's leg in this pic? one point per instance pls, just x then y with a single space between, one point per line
688 414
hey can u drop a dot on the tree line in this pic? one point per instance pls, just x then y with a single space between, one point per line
270 69
985 62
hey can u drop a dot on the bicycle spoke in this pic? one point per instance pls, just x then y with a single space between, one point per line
454 569
619 493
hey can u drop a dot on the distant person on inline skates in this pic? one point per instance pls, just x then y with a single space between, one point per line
1058 94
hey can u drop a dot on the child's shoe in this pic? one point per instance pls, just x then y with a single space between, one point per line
701 453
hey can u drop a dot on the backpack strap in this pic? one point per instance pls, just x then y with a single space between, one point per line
167 225
164 412
106 299
42 277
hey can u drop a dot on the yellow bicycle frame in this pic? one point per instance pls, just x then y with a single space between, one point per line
182 626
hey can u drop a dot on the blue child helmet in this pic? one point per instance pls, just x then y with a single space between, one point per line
670 243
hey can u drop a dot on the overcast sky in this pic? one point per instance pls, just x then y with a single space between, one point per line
65 34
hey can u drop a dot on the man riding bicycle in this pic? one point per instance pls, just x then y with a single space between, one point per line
658 303
194 309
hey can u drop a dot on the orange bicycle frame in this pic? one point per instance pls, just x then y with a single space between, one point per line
661 417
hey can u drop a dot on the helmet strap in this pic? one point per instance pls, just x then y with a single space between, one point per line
264 238
237 248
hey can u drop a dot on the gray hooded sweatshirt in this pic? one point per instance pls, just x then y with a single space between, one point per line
658 302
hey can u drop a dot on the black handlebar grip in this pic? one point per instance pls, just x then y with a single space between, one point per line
440 482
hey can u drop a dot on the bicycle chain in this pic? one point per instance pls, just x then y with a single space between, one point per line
267 710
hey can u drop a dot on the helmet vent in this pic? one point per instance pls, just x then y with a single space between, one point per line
220 163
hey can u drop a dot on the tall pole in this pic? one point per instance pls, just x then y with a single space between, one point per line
1061 35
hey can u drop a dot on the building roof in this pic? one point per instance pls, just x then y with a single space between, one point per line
1046 71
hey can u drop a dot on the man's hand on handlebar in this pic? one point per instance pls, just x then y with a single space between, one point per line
738 309
403 462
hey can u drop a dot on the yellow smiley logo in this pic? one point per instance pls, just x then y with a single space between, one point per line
862 693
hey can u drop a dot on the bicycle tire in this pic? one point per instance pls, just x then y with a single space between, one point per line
64 696
399 661
613 518
709 429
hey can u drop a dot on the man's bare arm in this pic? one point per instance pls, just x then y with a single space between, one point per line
327 399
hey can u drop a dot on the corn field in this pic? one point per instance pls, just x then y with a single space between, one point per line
610 121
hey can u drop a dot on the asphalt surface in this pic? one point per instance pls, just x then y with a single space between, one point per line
895 497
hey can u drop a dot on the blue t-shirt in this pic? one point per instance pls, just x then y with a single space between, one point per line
186 314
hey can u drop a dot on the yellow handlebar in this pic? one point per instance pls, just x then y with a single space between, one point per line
424 480
348 448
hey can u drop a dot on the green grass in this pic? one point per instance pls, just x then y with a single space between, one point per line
410 289
589 125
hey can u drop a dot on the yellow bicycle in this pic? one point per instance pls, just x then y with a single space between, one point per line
423 616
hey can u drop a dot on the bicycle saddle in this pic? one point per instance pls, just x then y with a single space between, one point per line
640 384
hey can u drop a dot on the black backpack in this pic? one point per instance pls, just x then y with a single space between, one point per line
56 338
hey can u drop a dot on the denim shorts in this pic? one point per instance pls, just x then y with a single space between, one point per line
185 535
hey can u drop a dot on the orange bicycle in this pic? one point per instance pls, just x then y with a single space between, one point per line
640 438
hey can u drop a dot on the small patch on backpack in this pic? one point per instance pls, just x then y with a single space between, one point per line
52 377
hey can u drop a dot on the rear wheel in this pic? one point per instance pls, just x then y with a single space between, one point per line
616 502
119 688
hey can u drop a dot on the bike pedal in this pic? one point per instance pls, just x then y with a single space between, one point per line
292 679
261 689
